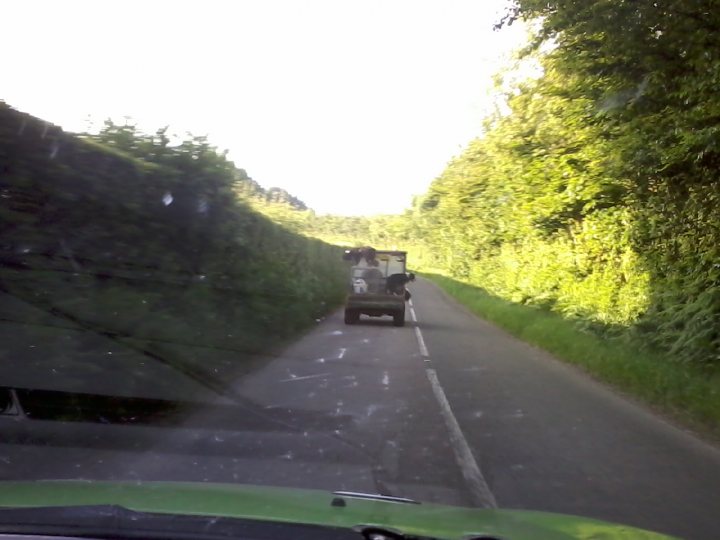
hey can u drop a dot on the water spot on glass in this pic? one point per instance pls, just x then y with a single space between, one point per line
477 414
167 198
287 455
320 360
54 150
202 206
336 333
385 379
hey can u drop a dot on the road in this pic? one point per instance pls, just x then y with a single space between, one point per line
447 409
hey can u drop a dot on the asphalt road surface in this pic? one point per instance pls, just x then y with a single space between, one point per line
447 409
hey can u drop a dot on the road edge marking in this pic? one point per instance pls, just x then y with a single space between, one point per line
479 490
475 481
305 377
421 344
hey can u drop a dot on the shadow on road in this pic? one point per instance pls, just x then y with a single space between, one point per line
387 322
375 321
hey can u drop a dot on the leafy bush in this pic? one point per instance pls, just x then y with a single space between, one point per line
122 240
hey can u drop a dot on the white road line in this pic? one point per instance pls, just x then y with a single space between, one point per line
305 377
474 479
412 314
421 343
410 302
479 490
342 353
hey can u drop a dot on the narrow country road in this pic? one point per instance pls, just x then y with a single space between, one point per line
447 409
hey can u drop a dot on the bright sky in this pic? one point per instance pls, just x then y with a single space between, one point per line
351 105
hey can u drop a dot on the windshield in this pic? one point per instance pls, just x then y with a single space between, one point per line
211 214
385 264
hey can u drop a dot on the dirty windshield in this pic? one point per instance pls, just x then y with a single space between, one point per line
385 264
463 252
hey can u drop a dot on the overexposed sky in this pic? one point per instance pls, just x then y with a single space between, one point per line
353 106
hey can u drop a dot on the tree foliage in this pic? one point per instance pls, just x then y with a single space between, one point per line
597 192
121 240
597 195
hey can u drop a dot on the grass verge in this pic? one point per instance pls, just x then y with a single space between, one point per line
685 393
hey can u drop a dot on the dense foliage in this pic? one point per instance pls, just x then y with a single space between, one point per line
597 195
595 191
124 242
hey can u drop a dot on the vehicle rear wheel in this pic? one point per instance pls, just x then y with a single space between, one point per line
399 318
351 316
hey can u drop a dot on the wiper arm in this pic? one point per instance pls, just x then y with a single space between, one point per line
120 523
77 520
371 497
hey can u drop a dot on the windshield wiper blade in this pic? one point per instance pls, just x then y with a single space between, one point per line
374 497
64 519
119 522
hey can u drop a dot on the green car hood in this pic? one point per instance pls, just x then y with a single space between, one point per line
312 507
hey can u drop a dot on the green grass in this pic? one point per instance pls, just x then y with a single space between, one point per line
687 394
